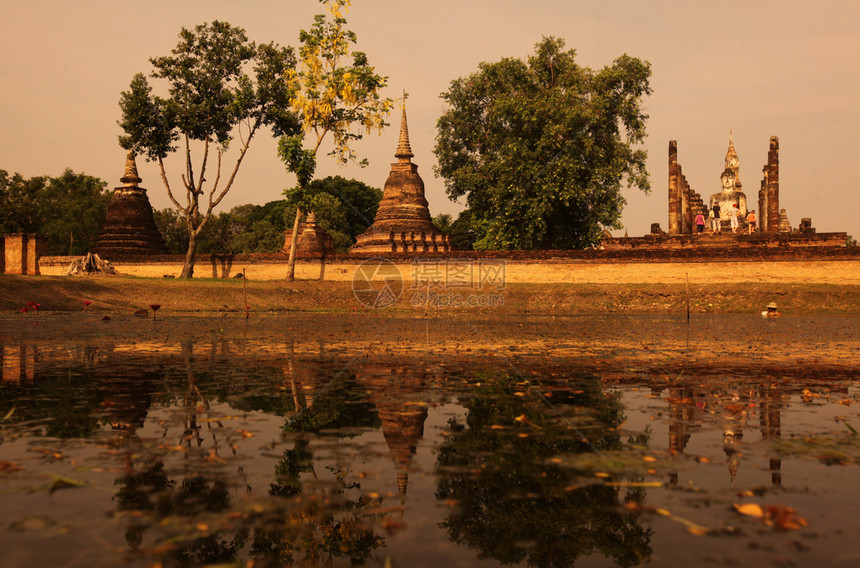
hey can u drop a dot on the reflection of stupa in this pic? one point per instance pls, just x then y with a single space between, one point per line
402 222
403 427
129 227
393 391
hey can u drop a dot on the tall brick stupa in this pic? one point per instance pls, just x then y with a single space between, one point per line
402 222
129 227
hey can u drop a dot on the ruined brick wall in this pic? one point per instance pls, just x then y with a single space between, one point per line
684 201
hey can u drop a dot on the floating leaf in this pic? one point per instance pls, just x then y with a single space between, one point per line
61 482
750 509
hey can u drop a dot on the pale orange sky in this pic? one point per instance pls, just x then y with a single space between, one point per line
760 68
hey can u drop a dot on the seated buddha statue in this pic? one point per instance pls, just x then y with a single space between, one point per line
731 197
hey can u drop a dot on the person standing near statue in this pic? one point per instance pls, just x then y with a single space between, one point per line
751 222
700 222
715 219
733 218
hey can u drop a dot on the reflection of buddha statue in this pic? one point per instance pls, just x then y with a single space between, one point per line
729 197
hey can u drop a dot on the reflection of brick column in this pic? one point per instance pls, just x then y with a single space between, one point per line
674 190
770 422
18 363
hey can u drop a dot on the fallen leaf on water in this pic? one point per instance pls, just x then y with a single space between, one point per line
214 457
61 482
750 509
9 467
777 516
784 518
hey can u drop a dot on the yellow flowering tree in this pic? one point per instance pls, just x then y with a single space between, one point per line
337 94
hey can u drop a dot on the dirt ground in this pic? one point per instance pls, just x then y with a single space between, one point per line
571 288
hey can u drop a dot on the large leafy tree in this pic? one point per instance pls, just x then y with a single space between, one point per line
334 96
19 212
222 88
68 210
72 208
539 148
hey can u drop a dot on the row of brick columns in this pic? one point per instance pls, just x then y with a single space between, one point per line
21 253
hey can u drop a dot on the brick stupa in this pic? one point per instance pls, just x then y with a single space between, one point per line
129 227
402 222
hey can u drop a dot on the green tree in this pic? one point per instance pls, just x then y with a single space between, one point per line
172 227
222 88
463 235
72 210
443 222
540 148
332 97
18 198
68 210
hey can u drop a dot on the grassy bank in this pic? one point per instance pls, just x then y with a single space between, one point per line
123 294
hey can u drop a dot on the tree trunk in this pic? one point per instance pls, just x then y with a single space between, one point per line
291 263
188 268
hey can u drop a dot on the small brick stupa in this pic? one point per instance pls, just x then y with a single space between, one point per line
313 240
402 222
129 227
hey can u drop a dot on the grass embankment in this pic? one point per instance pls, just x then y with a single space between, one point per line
123 294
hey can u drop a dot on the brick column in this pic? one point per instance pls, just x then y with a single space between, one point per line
16 253
772 188
37 246
674 190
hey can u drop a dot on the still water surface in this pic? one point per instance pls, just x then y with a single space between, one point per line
331 440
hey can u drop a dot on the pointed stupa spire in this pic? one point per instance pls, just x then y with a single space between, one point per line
733 162
404 150
130 179
731 153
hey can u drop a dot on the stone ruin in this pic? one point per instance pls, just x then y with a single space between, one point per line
313 240
685 203
403 222
89 264
21 253
129 228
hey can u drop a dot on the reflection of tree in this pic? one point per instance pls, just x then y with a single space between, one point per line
322 519
513 504
153 499
65 401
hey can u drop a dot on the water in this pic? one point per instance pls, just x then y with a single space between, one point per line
330 440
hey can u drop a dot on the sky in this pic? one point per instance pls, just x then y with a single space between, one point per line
753 69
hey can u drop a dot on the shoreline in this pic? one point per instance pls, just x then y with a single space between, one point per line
119 294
